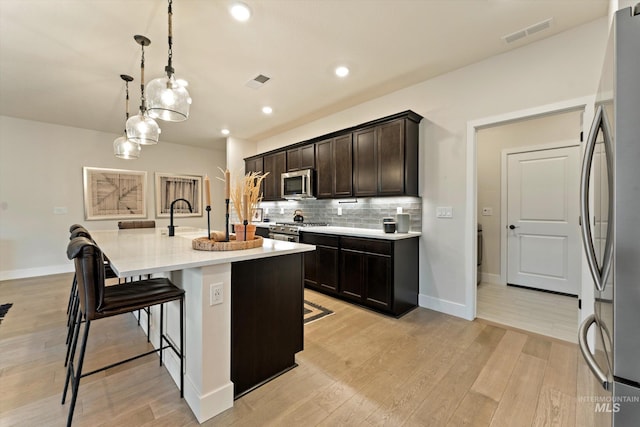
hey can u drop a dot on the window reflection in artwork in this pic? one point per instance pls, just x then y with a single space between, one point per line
170 187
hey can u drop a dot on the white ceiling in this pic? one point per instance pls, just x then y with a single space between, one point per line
60 60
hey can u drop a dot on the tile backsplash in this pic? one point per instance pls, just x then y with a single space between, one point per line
361 212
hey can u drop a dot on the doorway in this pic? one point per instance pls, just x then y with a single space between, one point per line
526 171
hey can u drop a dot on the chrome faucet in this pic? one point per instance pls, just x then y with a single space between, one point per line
172 228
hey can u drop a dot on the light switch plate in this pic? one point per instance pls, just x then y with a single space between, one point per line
444 212
399 209
339 211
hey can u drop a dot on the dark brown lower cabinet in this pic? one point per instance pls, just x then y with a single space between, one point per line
266 319
321 266
376 273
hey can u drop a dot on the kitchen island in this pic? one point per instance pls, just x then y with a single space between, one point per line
243 309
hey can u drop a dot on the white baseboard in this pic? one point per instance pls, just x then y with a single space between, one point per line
491 278
444 306
35 272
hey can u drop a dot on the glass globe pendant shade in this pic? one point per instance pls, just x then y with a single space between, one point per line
142 130
168 99
125 149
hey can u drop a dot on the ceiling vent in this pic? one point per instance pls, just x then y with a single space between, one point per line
257 81
532 29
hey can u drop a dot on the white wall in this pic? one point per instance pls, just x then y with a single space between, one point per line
491 142
563 67
41 168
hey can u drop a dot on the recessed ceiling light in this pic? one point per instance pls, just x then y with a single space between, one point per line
240 12
267 110
225 131
342 71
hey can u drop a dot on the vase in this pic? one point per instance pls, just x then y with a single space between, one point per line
239 229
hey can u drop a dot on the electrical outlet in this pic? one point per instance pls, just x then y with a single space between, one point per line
215 293
281 211
339 211
399 209
266 211
60 210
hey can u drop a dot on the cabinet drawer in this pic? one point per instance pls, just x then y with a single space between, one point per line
367 245
319 239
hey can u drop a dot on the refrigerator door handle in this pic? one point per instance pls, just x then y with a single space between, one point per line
586 353
599 277
607 258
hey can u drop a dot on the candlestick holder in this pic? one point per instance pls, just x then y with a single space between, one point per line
245 222
226 216
208 209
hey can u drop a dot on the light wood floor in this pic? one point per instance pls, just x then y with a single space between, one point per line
358 368
540 312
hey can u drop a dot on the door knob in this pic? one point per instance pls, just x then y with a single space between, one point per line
513 227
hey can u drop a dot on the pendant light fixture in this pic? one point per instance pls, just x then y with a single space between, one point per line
141 128
169 99
123 148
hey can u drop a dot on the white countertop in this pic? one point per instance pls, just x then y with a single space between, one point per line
372 233
150 250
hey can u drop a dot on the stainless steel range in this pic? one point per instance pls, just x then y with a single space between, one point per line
288 231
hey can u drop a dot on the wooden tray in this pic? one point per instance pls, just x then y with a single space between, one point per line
204 244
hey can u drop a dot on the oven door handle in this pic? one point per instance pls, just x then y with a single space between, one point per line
586 353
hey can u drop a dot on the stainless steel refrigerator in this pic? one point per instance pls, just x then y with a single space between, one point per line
610 220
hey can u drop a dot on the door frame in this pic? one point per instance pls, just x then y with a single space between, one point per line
503 193
470 253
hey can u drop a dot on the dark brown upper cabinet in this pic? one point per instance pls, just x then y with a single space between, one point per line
300 158
334 167
276 165
377 158
254 164
365 163
386 159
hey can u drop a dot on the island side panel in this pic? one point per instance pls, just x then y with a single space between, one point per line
208 386
266 319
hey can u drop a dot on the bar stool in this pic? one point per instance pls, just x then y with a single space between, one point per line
98 301
73 315
123 225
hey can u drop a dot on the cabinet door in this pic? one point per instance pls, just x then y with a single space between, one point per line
327 268
351 274
324 169
253 165
293 160
275 164
307 157
377 274
391 160
365 163
343 166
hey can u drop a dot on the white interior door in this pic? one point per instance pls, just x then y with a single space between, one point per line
543 236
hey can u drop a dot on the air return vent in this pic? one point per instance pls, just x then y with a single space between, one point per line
532 29
257 81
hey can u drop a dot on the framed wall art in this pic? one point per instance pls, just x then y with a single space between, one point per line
170 187
114 193
257 215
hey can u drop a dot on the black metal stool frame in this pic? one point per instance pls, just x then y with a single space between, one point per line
73 376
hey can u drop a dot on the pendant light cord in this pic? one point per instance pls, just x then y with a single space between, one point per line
143 104
169 68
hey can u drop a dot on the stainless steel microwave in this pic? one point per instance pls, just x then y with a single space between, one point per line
297 185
